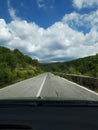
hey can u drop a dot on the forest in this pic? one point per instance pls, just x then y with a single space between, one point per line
87 66
15 66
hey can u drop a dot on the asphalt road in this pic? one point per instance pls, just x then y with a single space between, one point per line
47 86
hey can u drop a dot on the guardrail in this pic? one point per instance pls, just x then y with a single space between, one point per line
89 82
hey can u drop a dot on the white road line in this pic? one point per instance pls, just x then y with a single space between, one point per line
41 87
91 91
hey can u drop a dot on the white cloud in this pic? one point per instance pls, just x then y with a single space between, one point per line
85 3
61 41
5 35
91 38
12 11
41 4
86 21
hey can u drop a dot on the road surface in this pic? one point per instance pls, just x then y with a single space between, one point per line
47 86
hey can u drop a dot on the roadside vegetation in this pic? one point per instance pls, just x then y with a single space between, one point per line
15 66
87 66
83 71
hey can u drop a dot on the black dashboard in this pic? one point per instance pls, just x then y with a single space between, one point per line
48 115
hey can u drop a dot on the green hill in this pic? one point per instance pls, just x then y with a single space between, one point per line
83 66
15 66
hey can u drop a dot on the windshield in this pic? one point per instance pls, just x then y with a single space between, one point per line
49 49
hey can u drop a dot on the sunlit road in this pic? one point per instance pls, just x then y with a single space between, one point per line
47 86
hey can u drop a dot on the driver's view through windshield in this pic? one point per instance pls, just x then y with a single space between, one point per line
49 62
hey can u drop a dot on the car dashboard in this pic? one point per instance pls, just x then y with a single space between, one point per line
48 115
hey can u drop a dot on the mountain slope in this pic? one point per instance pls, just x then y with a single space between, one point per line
15 66
82 66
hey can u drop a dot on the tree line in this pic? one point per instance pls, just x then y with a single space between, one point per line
15 66
83 66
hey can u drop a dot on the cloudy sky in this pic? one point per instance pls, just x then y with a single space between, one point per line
50 30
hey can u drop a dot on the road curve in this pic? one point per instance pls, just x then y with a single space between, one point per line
47 86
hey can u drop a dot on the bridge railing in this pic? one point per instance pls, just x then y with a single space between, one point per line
89 82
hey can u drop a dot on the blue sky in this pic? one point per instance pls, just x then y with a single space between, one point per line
50 30
42 12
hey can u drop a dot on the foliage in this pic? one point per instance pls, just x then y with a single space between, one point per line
83 66
14 66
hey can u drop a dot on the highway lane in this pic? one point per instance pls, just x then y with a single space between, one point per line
48 86
59 87
25 89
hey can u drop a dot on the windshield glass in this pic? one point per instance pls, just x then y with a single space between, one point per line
49 49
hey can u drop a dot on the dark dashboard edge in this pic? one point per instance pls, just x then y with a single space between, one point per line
49 103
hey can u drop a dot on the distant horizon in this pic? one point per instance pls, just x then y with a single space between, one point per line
50 30
67 60
53 61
